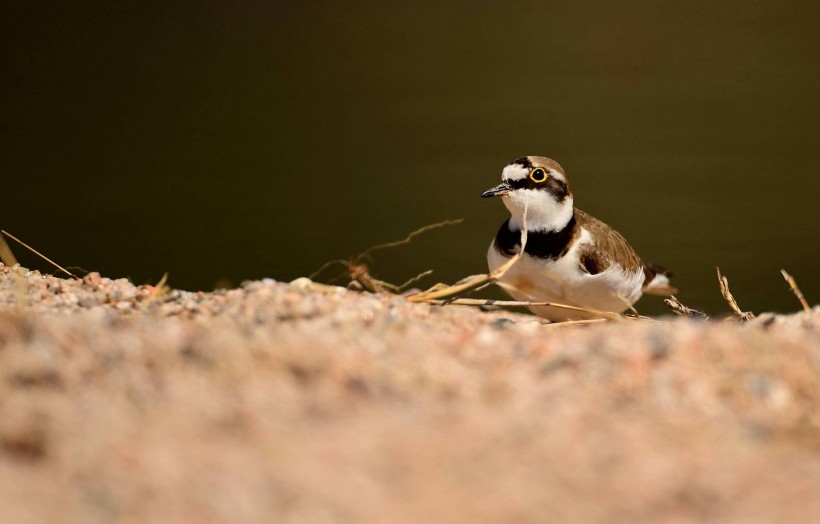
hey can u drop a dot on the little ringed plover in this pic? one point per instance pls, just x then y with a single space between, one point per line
570 257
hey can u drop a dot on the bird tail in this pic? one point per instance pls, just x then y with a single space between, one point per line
656 281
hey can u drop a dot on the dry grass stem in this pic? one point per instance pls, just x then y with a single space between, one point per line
409 237
744 316
55 264
359 272
471 283
796 290
470 292
160 290
414 280
474 282
6 256
567 323
679 309
608 315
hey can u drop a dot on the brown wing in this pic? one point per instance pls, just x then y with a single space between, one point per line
609 248
592 259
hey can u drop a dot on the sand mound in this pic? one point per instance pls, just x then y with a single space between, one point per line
304 403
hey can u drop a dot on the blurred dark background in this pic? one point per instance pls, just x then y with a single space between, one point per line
224 141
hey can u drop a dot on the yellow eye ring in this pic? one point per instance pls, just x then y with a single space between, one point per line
538 175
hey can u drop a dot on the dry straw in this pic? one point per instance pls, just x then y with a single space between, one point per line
55 264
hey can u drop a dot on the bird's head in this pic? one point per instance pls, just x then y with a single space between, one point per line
538 185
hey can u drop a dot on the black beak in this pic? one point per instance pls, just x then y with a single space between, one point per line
500 190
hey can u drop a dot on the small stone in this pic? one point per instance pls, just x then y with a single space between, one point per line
89 301
302 283
502 322
92 279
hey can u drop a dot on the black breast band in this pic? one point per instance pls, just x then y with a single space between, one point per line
540 244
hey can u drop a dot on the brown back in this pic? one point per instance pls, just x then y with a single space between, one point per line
610 247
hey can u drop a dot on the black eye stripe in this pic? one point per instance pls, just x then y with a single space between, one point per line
527 182
558 188
521 183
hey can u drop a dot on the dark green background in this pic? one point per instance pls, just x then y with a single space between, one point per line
238 140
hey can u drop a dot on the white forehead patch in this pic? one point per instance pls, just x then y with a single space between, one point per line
557 174
515 172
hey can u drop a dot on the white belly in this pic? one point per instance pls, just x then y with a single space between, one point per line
563 281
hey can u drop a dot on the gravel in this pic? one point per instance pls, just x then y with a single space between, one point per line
299 402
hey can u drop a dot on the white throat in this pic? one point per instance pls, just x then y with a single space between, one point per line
544 213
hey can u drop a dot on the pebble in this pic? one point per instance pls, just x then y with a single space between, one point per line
301 283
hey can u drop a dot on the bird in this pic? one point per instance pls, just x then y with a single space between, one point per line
570 258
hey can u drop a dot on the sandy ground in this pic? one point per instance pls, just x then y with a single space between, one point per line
296 402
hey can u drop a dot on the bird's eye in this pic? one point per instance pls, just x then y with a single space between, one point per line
538 175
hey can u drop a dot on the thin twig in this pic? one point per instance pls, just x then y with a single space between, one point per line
567 323
327 265
607 315
679 309
55 264
414 279
796 290
437 292
361 273
409 237
470 292
358 271
744 316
